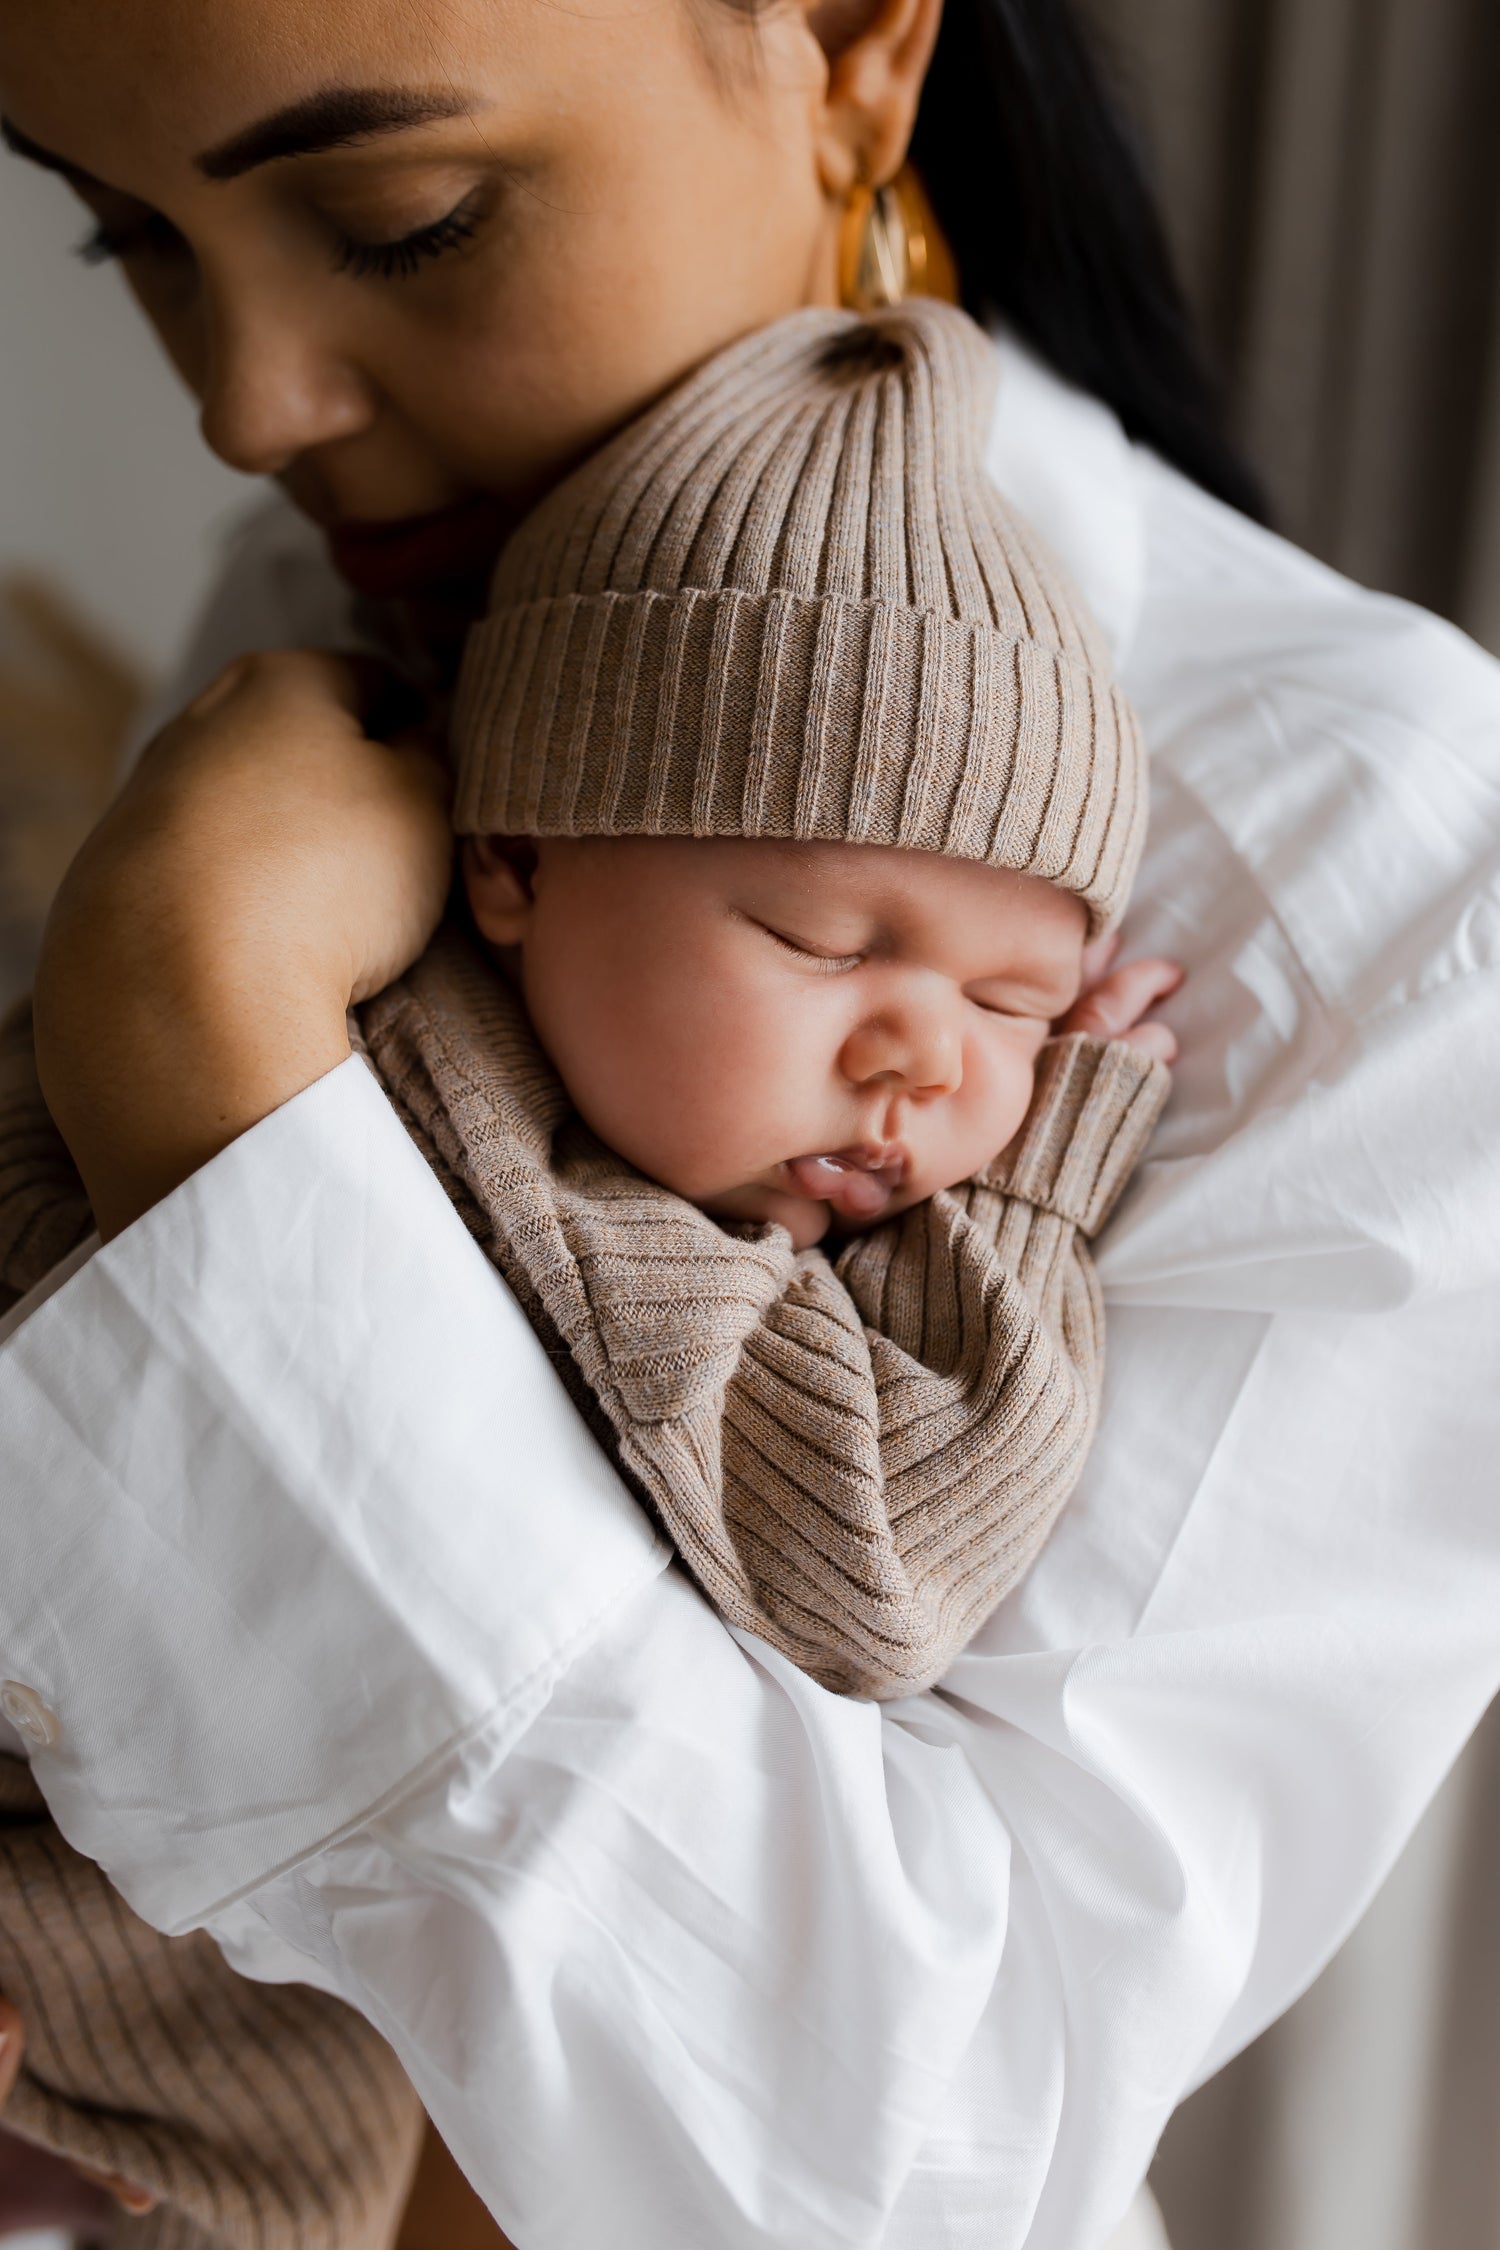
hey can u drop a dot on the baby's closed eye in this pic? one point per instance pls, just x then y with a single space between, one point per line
828 961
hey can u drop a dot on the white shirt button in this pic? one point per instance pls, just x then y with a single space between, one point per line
29 1715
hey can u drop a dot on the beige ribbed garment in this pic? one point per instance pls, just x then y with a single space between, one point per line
44 1212
789 602
855 1456
267 2117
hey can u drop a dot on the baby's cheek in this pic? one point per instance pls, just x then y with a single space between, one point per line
1001 1089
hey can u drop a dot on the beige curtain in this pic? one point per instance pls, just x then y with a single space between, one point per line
1331 173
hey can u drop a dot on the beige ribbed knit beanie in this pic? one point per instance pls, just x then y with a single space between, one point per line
788 602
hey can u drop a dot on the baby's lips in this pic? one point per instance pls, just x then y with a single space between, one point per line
856 1190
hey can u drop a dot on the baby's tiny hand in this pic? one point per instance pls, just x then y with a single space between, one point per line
1113 1000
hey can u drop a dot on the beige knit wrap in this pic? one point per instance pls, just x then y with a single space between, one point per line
789 602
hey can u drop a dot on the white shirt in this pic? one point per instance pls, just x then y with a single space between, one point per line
361 1657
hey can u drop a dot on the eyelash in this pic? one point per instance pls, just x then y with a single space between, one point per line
366 261
830 963
835 964
398 261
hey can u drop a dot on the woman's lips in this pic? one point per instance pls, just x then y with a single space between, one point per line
416 555
859 1183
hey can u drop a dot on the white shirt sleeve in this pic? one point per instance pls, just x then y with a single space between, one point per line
239 1397
342 1572
357 1653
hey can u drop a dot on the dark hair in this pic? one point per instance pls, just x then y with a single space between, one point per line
1039 188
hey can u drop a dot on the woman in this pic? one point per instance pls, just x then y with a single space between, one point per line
394 1691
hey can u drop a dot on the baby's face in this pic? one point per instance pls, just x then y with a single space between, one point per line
812 1033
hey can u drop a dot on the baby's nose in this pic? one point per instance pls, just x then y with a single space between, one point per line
918 1051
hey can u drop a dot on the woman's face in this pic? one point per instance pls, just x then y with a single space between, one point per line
412 252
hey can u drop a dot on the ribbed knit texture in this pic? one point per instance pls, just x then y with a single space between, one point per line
44 1212
267 2117
856 1457
789 602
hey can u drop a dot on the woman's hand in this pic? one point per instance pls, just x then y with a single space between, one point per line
267 864
38 2189
1113 1000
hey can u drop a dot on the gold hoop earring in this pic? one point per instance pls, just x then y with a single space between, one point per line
890 246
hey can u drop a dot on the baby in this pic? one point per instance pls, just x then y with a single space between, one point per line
797 805
795 786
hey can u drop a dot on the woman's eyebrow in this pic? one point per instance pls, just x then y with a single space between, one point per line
335 118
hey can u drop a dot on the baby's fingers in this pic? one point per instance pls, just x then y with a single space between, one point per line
1153 1039
1115 1006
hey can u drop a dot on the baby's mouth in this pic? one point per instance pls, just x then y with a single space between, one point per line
859 1182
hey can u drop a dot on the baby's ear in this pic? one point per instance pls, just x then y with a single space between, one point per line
498 873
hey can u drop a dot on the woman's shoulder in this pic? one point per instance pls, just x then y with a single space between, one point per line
1199 602
1343 745
1224 600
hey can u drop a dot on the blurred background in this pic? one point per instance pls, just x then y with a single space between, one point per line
1331 175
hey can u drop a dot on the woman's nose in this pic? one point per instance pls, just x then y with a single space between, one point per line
273 389
916 1049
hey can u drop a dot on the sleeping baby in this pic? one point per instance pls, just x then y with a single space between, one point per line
798 807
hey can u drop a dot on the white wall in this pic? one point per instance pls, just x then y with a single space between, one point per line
104 483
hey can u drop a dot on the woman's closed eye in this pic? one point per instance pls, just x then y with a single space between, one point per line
397 258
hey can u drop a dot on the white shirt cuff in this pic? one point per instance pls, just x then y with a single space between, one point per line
294 1500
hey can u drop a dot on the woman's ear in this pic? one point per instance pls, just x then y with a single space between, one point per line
498 873
877 53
